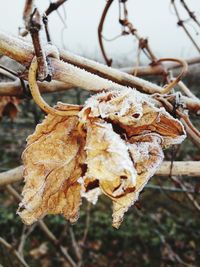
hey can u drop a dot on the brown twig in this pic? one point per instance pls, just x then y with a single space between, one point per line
190 13
170 189
167 88
189 195
75 246
45 22
100 30
12 250
26 231
34 27
23 53
28 9
54 6
143 42
158 69
46 230
87 224
187 91
181 24
15 89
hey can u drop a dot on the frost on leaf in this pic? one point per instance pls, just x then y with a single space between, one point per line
108 161
113 147
52 165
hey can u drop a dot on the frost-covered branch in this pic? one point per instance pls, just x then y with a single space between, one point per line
22 51
180 168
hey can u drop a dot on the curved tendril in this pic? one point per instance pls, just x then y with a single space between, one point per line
32 74
167 88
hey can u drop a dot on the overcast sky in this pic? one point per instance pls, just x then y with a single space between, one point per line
153 19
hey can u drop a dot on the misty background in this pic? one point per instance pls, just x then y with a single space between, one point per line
154 19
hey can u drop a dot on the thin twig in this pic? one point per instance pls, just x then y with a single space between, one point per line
188 194
87 223
46 230
181 23
44 72
26 231
170 189
190 13
54 6
75 245
100 30
11 249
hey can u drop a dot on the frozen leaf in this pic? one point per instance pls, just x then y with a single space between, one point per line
52 160
8 106
113 147
109 165
147 156
141 127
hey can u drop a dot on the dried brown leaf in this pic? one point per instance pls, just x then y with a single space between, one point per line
108 162
52 161
113 147
9 106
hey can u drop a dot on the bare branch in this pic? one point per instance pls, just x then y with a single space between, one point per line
54 6
179 168
11 249
185 168
22 52
158 69
100 29
187 91
190 13
34 29
12 176
181 23
189 195
170 189
15 88
46 230
28 8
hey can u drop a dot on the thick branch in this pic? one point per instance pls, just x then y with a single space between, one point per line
27 12
15 89
186 168
22 52
158 69
110 73
11 176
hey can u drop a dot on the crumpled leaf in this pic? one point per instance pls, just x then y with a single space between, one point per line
147 156
144 129
52 161
113 147
9 106
108 163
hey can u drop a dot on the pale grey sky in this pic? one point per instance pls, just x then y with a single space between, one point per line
153 19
